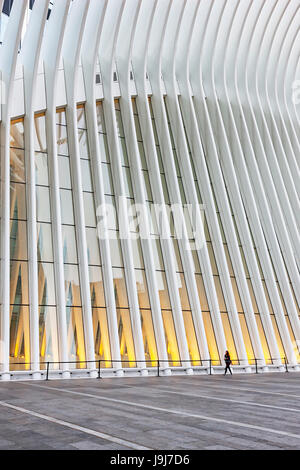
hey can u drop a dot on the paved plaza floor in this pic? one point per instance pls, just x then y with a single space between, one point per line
243 411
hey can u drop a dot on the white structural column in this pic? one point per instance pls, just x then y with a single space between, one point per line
227 89
168 69
154 70
139 64
51 53
71 54
285 81
277 129
189 117
259 229
107 47
229 176
123 62
8 59
204 107
89 55
287 233
30 56
289 95
260 176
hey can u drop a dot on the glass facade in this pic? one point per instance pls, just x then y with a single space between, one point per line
48 325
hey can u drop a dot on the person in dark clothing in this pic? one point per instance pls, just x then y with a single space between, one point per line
227 362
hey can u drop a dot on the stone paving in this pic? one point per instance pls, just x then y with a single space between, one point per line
243 411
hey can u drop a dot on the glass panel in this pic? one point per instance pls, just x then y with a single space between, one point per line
163 290
148 338
201 292
64 172
66 201
138 261
75 335
62 140
19 283
44 242
177 259
93 246
81 123
157 254
267 297
191 338
17 201
212 258
40 142
247 339
17 165
115 251
48 336
147 187
46 286
61 116
220 296
41 169
171 339
17 134
18 240
255 308
194 253
96 286
125 337
112 221
229 264
127 182
100 117
237 296
72 285
69 244
229 338
120 287
101 336
211 339
19 345
89 210
142 156
119 123
43 204
278 338
185 304
137 128
86 176
263 339
104 152
244 262
107 179
142 289
83 144
221 228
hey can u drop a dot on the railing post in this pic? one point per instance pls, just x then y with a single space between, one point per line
157 367
99 369
47 373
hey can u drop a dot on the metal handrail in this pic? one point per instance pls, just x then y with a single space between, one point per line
158 363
